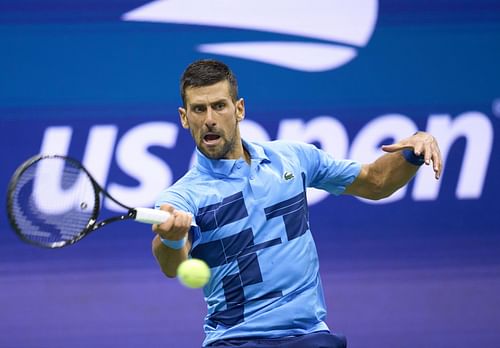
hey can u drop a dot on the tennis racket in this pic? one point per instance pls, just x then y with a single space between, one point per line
53 201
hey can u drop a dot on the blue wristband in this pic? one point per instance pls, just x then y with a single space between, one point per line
410 157
174 244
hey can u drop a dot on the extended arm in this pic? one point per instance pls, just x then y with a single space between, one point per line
174 229
392 171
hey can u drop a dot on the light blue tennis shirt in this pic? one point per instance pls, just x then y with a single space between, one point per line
253 232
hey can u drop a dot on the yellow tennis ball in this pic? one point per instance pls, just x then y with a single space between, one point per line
193 273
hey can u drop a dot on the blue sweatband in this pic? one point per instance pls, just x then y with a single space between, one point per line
410 157
174 244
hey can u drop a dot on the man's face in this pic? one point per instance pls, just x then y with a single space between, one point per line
213 118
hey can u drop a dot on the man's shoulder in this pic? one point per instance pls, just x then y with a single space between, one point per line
184 188
282 145
287 148
192 176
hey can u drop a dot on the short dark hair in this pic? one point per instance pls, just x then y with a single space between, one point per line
207 72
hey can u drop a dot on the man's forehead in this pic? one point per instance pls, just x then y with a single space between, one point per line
208 94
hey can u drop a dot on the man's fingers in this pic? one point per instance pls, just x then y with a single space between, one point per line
166 224
182 219
176 226
188 220
437 161
422 144
419 149
428 153
167 207
393 147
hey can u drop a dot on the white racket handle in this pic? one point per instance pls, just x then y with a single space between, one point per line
151 216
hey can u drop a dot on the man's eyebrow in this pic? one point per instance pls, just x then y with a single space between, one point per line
221 100
194 105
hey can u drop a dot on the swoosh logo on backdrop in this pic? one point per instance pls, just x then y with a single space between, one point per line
342 26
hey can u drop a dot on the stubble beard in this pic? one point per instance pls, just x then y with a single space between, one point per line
222 151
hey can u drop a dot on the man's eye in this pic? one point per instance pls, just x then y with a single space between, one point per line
220 106
198 109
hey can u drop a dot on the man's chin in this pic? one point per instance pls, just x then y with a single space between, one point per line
210 153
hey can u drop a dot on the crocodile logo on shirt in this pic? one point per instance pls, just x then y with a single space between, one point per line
288 176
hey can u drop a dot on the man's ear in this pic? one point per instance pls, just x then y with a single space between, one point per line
240 109
183 117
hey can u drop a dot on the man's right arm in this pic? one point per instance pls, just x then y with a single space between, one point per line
176 228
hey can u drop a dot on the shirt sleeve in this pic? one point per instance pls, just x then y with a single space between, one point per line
325 172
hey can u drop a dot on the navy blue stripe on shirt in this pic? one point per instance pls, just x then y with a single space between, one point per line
249 269
295 215
230 209
211 252
235 314
256 247
225 250
235 244
285 207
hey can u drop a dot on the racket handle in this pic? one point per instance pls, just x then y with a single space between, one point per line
151 216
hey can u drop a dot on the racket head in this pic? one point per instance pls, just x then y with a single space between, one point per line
52 201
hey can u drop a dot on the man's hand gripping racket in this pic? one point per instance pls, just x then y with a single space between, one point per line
53 201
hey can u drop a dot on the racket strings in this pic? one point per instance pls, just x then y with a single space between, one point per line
53 202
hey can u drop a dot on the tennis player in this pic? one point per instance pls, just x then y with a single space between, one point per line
248 200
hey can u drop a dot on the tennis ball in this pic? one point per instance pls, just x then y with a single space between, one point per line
193 273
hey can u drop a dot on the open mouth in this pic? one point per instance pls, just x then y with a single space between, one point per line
211 138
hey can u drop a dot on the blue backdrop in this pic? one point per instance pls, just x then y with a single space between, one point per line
99 81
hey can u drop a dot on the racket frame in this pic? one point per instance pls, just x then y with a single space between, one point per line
92 225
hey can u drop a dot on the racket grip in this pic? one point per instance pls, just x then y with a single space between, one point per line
151 216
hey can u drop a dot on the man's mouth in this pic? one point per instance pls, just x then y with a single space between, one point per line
211 138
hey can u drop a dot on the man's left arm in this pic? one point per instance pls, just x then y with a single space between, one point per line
394 169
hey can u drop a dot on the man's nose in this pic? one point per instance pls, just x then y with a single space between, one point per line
209 119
